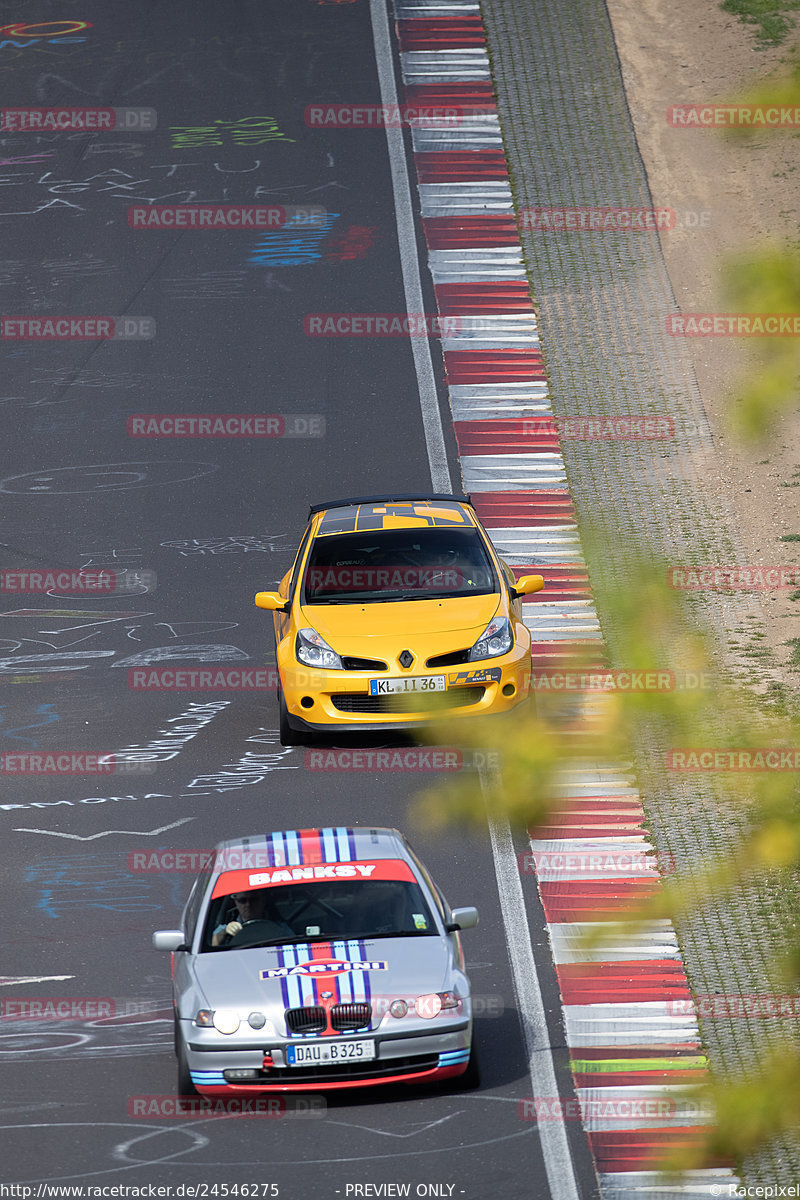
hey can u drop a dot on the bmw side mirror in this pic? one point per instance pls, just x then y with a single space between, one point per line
169 939
463 918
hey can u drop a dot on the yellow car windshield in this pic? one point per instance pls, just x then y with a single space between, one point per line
398 564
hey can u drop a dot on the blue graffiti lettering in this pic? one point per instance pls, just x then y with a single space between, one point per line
47 712
293 245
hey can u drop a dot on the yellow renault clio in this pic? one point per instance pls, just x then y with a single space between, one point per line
397 609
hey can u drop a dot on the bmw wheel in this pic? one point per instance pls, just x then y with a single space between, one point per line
185 1085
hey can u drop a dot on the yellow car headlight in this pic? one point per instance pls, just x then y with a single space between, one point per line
312 649
496 639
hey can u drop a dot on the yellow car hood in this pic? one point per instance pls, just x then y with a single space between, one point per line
463 618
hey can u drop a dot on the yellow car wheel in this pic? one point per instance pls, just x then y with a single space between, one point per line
288 736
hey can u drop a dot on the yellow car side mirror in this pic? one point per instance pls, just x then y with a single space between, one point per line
273 601
528 584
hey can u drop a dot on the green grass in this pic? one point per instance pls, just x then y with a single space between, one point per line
770 16
789 537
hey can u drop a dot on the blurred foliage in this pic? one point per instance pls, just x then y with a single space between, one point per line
766 279
655 628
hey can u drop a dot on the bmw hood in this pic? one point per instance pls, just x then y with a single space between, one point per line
271 979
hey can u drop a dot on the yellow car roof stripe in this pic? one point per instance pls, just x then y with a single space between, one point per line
393 516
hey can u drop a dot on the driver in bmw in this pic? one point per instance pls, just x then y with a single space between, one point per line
250 906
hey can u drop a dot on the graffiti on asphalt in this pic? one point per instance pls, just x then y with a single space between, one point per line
84 881
213 653
168 743
104 477
89 149
233 544
218 285
133 1033
252 767
207 183
24 158
246 131
86 800
49 717
62 383
107 634
47 275
351 243
294 245
72 421
21 35
65 377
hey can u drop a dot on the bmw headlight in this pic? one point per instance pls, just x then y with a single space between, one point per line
495 639
314 651
431 1005
224 1020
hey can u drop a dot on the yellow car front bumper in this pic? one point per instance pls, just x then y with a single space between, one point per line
322 701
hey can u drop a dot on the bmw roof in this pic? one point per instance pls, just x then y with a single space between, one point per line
305 847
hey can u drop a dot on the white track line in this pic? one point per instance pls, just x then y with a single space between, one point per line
552 1134
407 242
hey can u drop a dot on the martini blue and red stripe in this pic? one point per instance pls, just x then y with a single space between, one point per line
302 847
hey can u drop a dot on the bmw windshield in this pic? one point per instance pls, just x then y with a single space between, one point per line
398 564
320 911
